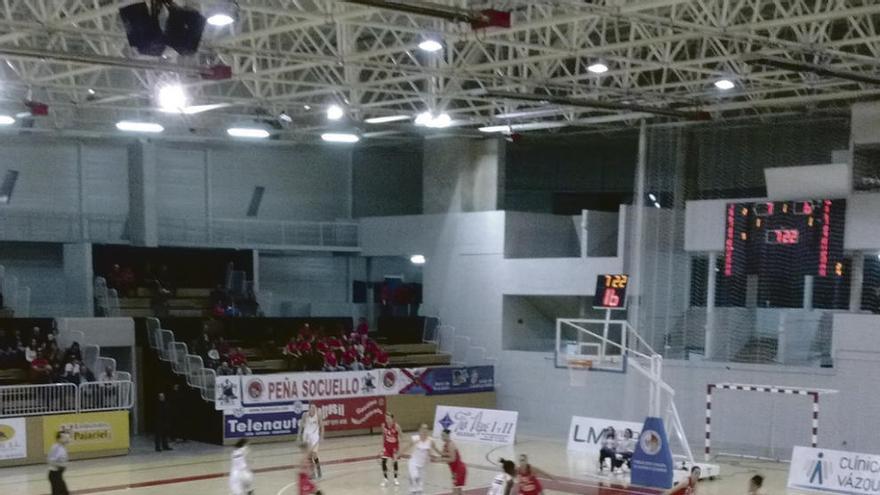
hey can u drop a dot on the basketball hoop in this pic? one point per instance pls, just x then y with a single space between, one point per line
576 369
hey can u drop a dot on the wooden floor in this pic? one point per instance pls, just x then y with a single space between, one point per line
351 467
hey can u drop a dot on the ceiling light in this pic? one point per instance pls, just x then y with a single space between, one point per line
430 45
496 128
652 197
441 121
417 259
248 132
132 126
6 120
389 118
91 91
724 84
598 68
172 98
284 117
424 118
220 20
223 13
335 112
656 204
340 137
307 107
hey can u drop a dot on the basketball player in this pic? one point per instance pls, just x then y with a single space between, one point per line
311 433
503 483
527 477
421 447
687 486
457 467
390 446
241 478
306 470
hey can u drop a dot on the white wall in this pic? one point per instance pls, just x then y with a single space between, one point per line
319 282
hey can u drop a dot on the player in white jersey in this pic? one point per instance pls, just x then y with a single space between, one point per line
420 449
503 483
241 478
311 433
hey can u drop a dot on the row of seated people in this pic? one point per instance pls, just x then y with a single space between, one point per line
44 361
618 448
308 350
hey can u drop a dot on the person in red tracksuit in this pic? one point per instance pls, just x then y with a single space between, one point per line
457 468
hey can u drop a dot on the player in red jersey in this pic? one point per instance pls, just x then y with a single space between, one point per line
457 467
306 468
687 486
390 446
527 477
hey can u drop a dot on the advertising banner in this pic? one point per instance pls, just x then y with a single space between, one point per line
834 471
266 421
477 425
13 438
89 432
464 380
352 414
652 461
585 434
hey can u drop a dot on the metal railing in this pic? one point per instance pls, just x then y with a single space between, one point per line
238 232
182 362
65 398
105 396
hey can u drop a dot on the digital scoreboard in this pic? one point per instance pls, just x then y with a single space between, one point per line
785 238
610 291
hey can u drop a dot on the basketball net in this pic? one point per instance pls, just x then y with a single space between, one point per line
578 369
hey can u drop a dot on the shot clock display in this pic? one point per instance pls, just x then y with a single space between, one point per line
610 291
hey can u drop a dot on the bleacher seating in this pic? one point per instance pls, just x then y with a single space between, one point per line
186 302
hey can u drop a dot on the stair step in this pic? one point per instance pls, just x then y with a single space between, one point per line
410 349
134 302
185 312
136 312
420 359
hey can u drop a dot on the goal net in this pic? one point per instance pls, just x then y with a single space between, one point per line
762 421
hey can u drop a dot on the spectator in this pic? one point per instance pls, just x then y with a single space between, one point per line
223 347
368 360
31 352
331 363
609 444
218 310
73 353
382 359
237 358
41 370
218 296
162 423
86 375
349 358
232 310
625 448
243 370
72 372
291 354
212 358
114 279
756 482
362 327
224 369
107 375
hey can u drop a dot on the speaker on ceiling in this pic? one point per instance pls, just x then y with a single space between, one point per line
142 29
183 29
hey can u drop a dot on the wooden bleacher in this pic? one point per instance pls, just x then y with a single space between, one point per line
410 355
13 377
186 302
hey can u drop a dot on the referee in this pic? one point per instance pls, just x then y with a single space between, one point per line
57 461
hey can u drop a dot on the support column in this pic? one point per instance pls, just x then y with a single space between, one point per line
857 282
143 223
78 275
711 279
635 261
463 175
